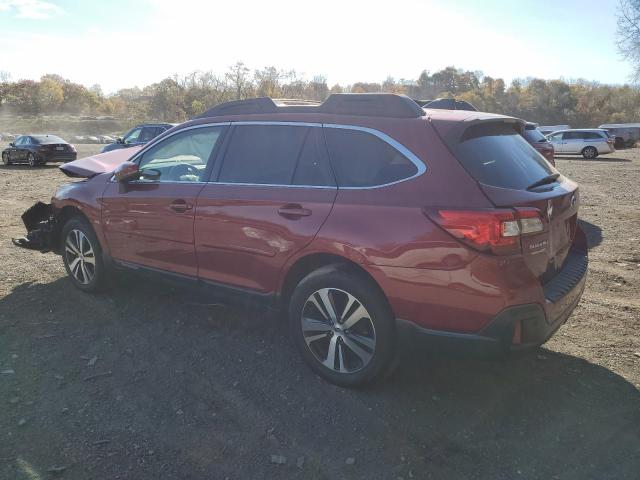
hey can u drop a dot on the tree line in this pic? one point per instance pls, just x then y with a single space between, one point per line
579 103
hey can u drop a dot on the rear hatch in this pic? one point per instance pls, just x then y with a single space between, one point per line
513 175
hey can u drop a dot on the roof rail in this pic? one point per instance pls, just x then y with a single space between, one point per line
357 104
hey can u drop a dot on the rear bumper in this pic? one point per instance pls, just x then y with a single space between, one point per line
517 327
606 149
58 156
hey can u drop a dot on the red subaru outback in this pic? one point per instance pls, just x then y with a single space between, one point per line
364 217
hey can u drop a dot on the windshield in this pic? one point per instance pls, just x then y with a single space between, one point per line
45 139
495 154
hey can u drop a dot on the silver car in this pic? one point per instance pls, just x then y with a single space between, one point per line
586 142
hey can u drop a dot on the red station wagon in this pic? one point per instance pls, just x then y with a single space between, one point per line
367 218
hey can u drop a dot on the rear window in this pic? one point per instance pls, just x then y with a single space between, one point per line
534 135
496 154
45 139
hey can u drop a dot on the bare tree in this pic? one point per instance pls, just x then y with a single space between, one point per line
628 34
238 79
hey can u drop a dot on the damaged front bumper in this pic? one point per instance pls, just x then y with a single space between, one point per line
40 222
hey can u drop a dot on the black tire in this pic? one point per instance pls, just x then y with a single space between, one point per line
33 161
589 153
85 276
377 327
5 159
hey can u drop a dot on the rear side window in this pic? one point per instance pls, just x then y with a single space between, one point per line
495 154
361 159
263 154
592 136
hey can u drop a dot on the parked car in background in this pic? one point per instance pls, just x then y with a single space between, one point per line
548 129
449 104
370 220
7 137
625 134
586 142
37 150
106 139
537 140
139 135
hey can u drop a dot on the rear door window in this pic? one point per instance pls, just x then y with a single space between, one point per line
263 154
573 136
361 159
147 134
496 154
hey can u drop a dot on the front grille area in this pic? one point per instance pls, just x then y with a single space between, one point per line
572 271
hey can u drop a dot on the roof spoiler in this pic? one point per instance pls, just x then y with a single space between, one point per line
357 104
456 134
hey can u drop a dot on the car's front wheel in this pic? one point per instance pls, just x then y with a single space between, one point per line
82 255
342 326
33 161
589 153
5 159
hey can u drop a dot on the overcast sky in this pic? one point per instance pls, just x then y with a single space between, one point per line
122 43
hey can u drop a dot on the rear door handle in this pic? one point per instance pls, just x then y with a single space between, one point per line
293 210
180 206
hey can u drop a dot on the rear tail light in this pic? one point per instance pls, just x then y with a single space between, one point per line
496 231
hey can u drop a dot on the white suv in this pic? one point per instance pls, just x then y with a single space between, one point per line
588 142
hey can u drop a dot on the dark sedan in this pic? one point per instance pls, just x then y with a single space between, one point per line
36 150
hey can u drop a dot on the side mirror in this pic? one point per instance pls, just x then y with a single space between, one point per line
119 140
126 171
11 144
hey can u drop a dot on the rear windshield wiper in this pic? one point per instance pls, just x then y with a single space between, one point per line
544 181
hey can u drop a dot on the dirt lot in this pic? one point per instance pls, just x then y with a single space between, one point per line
148 382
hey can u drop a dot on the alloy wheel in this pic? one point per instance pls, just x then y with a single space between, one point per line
80 256
32 160
5 159
338 330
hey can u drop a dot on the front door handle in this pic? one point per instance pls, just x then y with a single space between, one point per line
180 206
293 211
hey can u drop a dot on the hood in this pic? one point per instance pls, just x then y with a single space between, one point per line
96 164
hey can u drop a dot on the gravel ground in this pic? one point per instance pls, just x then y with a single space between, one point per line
148 382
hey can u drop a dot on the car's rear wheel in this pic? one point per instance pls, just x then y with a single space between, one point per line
5 159
589 153
33 161
342 326
82 255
